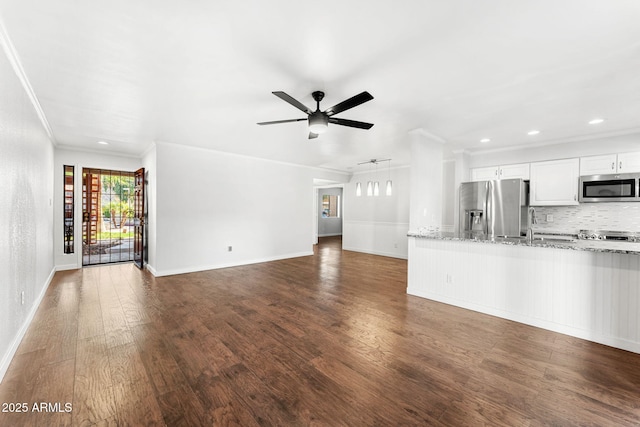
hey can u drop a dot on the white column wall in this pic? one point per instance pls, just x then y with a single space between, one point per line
426 181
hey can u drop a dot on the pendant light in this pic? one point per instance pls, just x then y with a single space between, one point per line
369 188
376 184
389 191
373 185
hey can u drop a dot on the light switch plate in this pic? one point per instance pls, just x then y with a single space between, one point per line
549 218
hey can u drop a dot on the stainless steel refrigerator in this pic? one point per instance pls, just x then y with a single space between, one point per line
494 208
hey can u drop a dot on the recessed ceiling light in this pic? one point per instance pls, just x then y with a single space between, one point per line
596 121
103 143
533 132
483 140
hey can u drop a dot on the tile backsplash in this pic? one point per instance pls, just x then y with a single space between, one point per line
589 216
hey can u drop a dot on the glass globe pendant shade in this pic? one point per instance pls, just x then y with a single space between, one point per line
389 191
358 189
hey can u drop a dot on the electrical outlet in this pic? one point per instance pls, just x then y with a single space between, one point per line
549 218
229 248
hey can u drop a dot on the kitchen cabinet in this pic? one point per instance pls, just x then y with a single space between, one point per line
610 163
501 172
554 183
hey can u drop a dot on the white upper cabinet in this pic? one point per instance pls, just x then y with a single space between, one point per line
484 174
554 183
610 163
628 162
514 171
598 165
500 172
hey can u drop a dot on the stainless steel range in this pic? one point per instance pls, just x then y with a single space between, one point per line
624 236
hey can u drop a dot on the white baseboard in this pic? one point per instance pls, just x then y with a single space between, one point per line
67 267
194 269
632 346
151 269
11 351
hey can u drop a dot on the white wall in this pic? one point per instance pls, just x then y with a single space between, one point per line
207 201
26 203
329 226
149 164
79 159
377 225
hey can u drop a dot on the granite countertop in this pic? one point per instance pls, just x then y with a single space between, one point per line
548 240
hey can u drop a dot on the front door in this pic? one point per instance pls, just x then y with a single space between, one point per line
138 218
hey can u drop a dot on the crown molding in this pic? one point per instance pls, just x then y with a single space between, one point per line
559 141
14 60
427 134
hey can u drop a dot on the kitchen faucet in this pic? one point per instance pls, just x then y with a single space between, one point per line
531 219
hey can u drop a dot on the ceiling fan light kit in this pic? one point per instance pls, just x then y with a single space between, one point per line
319 120
318 123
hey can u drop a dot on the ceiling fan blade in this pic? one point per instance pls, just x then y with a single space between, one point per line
299 105
354 101
350 123
312 135
281 121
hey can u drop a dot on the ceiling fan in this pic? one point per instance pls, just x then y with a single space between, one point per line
319 120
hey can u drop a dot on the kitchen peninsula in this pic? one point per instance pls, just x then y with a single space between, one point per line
586 289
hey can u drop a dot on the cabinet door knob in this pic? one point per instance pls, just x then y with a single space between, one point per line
613 165
620 166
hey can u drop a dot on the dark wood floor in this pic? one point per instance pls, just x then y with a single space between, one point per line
331 339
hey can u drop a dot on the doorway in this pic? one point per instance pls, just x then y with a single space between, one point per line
112 216
329 212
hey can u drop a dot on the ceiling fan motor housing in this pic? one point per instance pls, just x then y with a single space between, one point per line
318 96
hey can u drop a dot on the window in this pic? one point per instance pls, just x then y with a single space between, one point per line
330 206
68 209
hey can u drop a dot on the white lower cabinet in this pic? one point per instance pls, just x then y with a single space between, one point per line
554 183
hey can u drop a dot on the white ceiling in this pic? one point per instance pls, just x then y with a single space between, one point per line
201 72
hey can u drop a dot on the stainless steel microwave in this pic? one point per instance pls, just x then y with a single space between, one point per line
621 187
